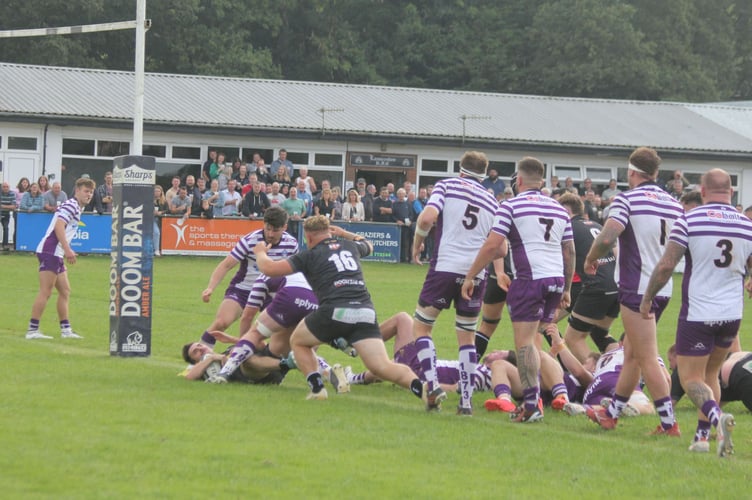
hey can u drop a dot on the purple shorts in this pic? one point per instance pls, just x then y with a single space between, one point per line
292 304
408 355
698 338
632 301
534 300
441 288
52 263
237 295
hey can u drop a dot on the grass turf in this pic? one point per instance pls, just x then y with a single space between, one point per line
78 423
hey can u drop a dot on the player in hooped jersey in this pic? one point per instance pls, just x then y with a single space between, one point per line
716 242
540 238
52 249
464 213
332 268
641 218
236 295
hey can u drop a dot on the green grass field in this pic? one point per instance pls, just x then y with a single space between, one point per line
78 423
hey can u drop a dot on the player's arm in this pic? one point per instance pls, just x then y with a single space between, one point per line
661 274
423 225
266 265
70 255
502 278
218 275
604 242
571 363
196 372
494 248
339 232
569 259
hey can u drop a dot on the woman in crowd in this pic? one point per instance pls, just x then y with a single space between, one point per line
21 188
32 200
353 210
284 180
44 184
325 205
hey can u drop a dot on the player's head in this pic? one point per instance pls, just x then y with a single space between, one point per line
84 190
473 164
716 185
275 223
572 203
194 351
591 361
644 163
529 173
316 229
691 200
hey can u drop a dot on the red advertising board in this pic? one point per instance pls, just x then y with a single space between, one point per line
196 236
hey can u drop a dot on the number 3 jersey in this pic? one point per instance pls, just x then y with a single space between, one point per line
333 270
466 215
535 226
718 241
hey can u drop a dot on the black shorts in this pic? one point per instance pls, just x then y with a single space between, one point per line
352 324
740 383
596 304
274 377
494 294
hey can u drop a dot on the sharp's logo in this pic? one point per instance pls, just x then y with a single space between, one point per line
133 174
179 232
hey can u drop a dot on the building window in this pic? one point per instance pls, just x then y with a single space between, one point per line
22 143
79 147
230 152
433 165
298 158
328 160
112 148
153 150
266 154
186 152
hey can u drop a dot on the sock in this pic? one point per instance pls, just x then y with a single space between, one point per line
427 359
711 410
559 389
33 324
617 405
357 378
502 390
666 411
481 344
468 360
530 397
703 430
323 365
416 387
64 324
315 382
208 339
242 351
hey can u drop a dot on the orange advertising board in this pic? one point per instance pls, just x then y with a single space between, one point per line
196 236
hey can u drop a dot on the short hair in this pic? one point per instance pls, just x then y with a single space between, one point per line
88 183
316 224
691 198
531 169
283 150
474 161
186 352
275 217
573 203
646 159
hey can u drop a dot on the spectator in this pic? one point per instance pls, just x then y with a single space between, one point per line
33 200
253 164
160 208
609 192
21 188
43 183
494 182
275 197
210 201
303 174
569 186
382 206
225 174
304 195
54 197
236 166
255 202
677 176
337 197
174 190
408 187
677 189
390 189
194 194
508 193
220 165
587 185
325 205
209 169
181 203
283 161
591 210
401 215
554 182
353 210
263 174
294 206
7 206
229 199
241 178
283 179
103 197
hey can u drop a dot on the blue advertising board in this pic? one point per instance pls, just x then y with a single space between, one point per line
385 239
93 235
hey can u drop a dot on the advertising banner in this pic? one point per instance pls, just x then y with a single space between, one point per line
195 236
385 239
93 235
131 284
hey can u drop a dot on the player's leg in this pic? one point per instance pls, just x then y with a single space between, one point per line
246 318
302 342
373 354
228 312
62 285
575 336
439 288
47 279
400 328
505 382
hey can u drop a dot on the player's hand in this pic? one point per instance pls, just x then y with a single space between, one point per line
748 287
503 280
222 337
206 295
590 266
645 309
566 300
467 288
70 256
416 255
261 247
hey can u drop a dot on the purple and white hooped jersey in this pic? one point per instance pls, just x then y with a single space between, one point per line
265 288
448 372
647 214
610 362
243 253
466 215
718 241
70 213
535 226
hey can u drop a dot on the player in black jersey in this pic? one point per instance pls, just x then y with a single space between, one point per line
332 267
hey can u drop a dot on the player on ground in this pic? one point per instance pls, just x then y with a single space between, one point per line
641 220
540 239
332 267
716 241
463 212
236 295
54 247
